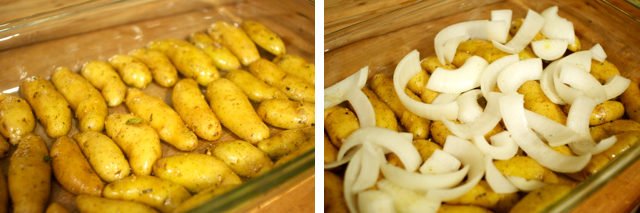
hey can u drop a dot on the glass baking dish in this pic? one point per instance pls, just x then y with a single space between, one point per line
73 35
381 41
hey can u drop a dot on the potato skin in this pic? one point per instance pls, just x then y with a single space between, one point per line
17 118
51 109
159 64
188 59
222 56
139 142
236 40
87 102
160 194
195 172
330 151
29 175
104 155
603 70
333 193
304 148
603 113
72 170
203 197
283 143
482 195
189 103
162 118
287 114
446 208
294 87
297 66
243 158
541 198
630 98
384 115
56 207
91 204
527 168
430 64
264 37
235 111
536 101
106 79
339 123
133 71
255 89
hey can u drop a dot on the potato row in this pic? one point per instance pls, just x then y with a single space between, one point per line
116 164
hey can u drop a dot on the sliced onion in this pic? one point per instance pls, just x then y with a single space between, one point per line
530 27
489 77
502 15
556 27
514 75
440 162
350 175
496 180
503 148
406 200
481 126
363 108
375 201
445 98
368 175
459 80
547 84
451 46
473 29
615 86
580 59
408 67
394 141
515 121
422 182
343 159
598 53
524 184
583 82
568 94
578 121
335 94
496 31
549 49
555 133
469 109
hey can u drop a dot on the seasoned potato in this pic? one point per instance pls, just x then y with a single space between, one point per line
133 71
91 204
160 194
72 170
189 103
103 155
536 101
445 208
525 167
613 128
339 123
297 66
431 63
384 115
264 37
162 118
106 79
17 118
603 70
242 157
254 88
541 198
4 193
203 197
188 59
625 140
138 141
482 48
222 56
426 148
304 148
294 87
159 64
287 114
29 175
283 143
603 113
630 98
51 109
195 172
333 193
236 40
56 207
483 196
235 111
418 85
460 58
330 151
87 102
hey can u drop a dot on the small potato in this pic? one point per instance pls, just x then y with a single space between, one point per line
294 87
431 63
525 167
625 140
188 59
482 48
104 155
236 40
330 151
106 79
283 143
87 102
195 172
446 208
630 98
203 197
159 64
603 70
243 158
29 175
56 207
133 71
297 66
4 193
189 103
162 118
255 89
536 101
264 37
603 113
94 204
160 194
138 141
222 56
384 115
515 27
235 111
304 148
334 193
426 148
17 118
613 128
340 122
460 58
287 114
418 85
51 109
575 47
72 170
541 198
483 196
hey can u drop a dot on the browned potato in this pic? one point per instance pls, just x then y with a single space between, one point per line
51 109
106 79
536 101
287 114
72 170
283 143
243 158
339 123
333 193
195 172
87 102
297 66
541 198
17 118
294 87
137 140
29 175
384 115
264 37
188 59
603 113
236 40
159 64
630 98
255 89
189 103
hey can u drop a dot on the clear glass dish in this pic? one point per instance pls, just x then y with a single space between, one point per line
73 35
381 41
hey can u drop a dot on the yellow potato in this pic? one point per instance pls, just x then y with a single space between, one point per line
482 195
242 157
87 102
254 88
72 170
412 95
575 47
527 168
384 116
287 114
339 123
418 85
333 193
426 148
195 172
613 128
515 26
304 148
482 48
133 71
189 103
29 175
460 58
445 208
51 109
159 64
625 140
603 113
603 70
4 146
297 66
56 207
236 40
93 204
160 194
104 155
541 198
294 87
283 143
188 59
431 63
138 141
203 197
630 98
4 193
162 118
536 101
235 111
330 151
222 56
264 37
17 118
106 79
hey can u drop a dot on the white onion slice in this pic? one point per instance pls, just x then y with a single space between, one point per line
473 29
389 139
502 15
440 162
406 200
342 159
549 49
496 180
556 27
583 82
515 121
369 170
459 80
598 53
350 175
503 148
335 94
483 124
555 133
408 67
451 46
422 182
514 75
362 107
615 86
530 27
469 109
496 31
566 93
524 184
375 201
445 98
489 77
580 59
578 121
547 84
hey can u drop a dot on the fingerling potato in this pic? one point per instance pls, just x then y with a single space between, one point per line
195 172
222 56
283 143
160 194
297 66
159 64
482 195
536 101
72 170
294 87
56 207
603 70
133 71
525 167
330 151
138 141
104 155
203 197
188 59
87 102
264 37
4 146
538 200
255 89
189 103
106 79
51 109
91 204
630 99
236 40
603 113
384 115
242 157
340 122
309 144
287 114
29 175
17 118
334 193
